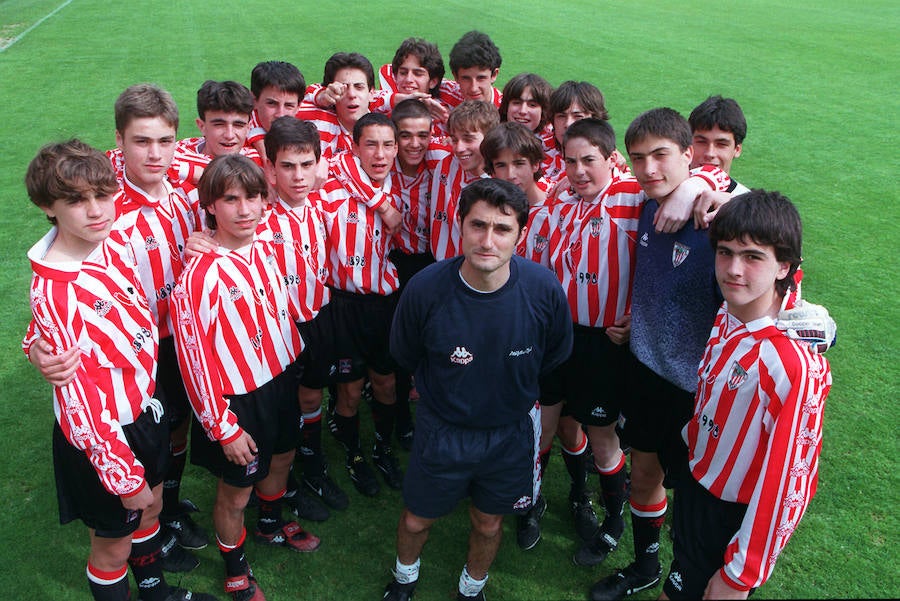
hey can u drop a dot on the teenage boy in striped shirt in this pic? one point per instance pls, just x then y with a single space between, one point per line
236 339
356 202
111 438
755 435
277 88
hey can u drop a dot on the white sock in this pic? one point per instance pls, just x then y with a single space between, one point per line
404 574
468 586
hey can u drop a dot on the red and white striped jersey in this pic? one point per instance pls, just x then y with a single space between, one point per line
447 182
388 83
156 230
334 137
358 245
98 306
554 165
234 330
298 237
452 96
257 132
191 151
592 250
535 246
756 435
415 198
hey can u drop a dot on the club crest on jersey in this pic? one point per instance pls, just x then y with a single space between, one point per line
461 356
102 307
737 376
680 252
596 223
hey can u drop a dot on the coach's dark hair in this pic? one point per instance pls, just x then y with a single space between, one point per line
506 196
225 96
586 94
370 119
68 170
597 132
515 137
541 90
662 123
429 57
348 60
288 132
724 112
281 75
474 49
229 171
768 219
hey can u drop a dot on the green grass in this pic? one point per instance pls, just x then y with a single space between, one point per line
818 82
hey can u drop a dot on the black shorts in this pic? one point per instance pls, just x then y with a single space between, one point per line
409 265
317 360
655 411
170 385
497 467
591 381
270 415
362 328
82 496
703 526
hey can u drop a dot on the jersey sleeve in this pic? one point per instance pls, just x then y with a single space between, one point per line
194 305
796 384
83 410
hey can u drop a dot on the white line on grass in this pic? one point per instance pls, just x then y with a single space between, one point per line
41 20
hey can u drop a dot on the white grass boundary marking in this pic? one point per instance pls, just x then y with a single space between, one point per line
38 22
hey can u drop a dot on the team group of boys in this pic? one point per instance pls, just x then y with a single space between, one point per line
237 275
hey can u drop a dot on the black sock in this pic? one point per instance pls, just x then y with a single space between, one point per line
108 586
269 513
235 560
310 449
544 456
577 472
614 493
172 483
347 431
646 524
145 564
384 417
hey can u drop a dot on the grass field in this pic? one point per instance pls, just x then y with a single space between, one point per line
818 82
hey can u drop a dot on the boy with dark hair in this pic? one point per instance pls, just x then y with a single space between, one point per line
345 94
526 100
718 127
673 284
277 88
355 201
110 439
755 435
468 123
297 231
477 414
571 101
236 339
475 63
417 71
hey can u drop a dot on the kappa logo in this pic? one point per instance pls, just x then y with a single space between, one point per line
794 499
800 469
598 412
151 582
461 356
675 579
353 217
806 437
151 243
680 252
278 238
234 293
524 502
737 376
645 239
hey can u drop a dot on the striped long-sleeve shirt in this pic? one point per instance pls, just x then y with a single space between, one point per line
756 435
234 330
98 305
